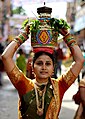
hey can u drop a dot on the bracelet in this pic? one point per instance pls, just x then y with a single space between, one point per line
21 38
17 41
69 40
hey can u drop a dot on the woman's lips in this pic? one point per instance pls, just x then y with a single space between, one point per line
42 72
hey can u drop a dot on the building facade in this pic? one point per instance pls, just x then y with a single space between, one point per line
76 18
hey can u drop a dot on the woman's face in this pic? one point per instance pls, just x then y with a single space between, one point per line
43 67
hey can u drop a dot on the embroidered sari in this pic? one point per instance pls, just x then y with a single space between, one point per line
55 90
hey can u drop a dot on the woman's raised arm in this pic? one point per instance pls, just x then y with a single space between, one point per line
75 51
7 55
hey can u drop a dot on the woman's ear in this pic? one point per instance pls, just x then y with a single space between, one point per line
53 73
33 71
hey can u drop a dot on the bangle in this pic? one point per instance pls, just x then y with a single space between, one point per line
17 41
21 38
69 40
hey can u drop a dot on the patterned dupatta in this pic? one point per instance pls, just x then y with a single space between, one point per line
54 107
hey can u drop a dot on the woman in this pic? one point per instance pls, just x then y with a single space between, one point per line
79 99
41 98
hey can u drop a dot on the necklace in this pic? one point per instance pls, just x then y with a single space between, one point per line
39 84
40 94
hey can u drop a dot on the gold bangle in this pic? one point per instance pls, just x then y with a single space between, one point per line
17 42
69 40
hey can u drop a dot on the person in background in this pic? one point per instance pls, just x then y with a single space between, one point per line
41 98
1 63
29 71
58 61
83 70
79 99
21 61
81 75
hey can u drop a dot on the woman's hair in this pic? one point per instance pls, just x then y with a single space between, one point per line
36 55
20 51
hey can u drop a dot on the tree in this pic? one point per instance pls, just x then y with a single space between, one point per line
19 10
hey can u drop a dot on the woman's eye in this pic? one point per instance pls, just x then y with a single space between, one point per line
48 63
39 63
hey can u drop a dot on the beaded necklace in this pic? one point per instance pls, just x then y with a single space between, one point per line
40 89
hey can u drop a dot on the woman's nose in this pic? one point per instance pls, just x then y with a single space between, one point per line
43 66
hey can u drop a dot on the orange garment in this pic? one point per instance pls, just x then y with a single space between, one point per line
24 85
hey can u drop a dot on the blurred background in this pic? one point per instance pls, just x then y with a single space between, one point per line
12 15
14 12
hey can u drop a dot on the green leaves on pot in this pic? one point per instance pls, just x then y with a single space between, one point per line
55 24
34 25
58 24
25 23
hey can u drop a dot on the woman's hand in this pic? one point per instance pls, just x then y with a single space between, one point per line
26 29
63 31
23 36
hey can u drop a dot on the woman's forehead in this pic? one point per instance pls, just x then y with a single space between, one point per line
44 57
